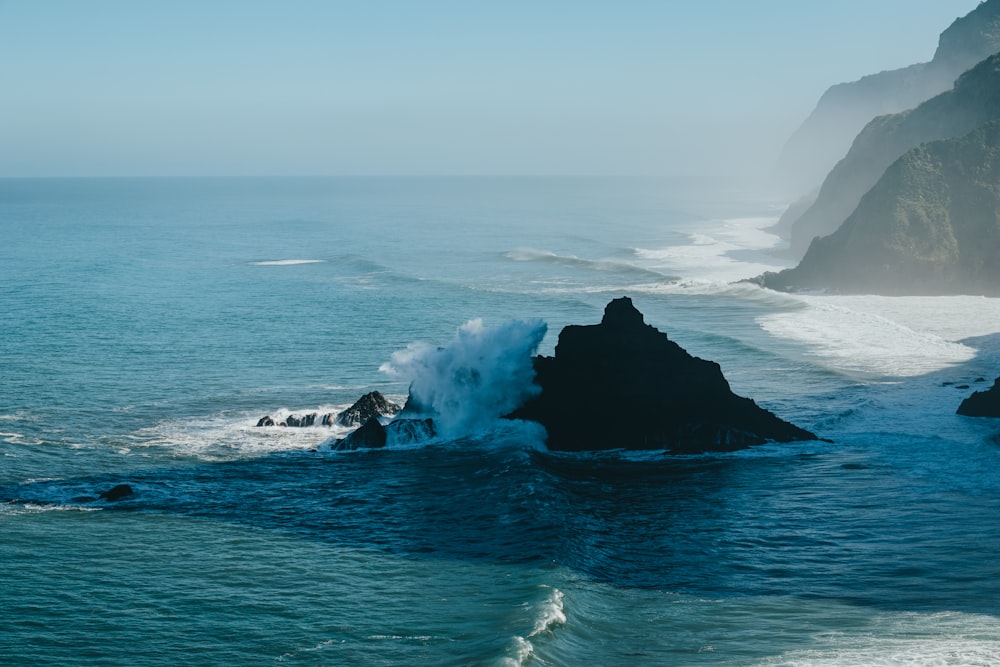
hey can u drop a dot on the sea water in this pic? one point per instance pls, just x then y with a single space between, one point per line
145 326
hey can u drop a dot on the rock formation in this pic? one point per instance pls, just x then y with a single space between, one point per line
296 421
982 403
844 109
624 384
930 225
372 404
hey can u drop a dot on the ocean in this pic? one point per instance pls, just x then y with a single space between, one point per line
147 324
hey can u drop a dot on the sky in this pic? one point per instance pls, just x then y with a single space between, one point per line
310 87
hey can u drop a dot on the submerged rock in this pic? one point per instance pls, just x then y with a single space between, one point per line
116 493
624 384
982 403
372 404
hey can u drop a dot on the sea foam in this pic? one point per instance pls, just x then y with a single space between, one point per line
476 378
938 640
732 250
287 262
886 336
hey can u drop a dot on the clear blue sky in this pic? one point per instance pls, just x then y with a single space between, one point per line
253 87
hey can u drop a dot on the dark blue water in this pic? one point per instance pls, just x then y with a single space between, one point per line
146 325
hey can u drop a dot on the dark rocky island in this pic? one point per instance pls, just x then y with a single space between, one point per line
982 403
624 384
930 225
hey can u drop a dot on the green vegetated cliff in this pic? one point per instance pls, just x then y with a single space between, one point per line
930 225
973 101
844 109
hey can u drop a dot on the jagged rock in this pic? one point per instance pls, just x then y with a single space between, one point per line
294 421
304 421
982 403
116 493
372 404
669 399
370 435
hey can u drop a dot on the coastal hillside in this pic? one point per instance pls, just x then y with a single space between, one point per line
972 102
844 109
930 225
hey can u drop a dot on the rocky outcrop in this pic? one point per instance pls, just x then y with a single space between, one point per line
298 422
982 403
928 226
846 108
624 384
372 404
972 102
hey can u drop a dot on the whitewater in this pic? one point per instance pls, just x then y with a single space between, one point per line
148 324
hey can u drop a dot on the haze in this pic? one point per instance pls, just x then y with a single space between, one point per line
183 88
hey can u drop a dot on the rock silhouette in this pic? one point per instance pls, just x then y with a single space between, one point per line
982 403
624 384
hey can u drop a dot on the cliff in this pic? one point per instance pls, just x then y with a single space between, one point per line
930 225
844 109
972 102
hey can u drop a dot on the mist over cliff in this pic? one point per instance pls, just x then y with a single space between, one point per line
845 108
930 225
974 100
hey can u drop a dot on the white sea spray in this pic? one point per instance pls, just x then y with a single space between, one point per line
482 374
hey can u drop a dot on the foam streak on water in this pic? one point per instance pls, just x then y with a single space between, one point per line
892 337
723 252
287 262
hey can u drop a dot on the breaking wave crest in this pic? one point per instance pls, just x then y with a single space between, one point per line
476 378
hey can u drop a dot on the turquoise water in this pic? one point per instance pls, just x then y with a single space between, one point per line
147 324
